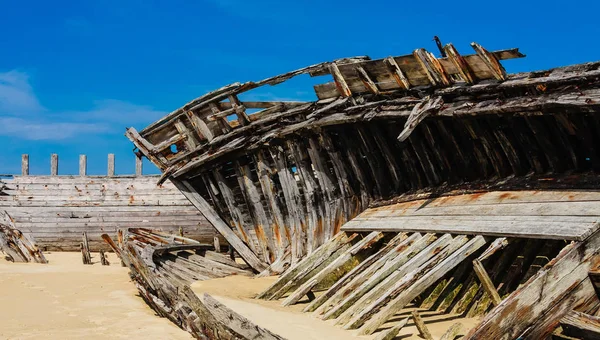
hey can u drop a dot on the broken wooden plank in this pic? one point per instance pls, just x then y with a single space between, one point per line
374 262
371 301
340 82
363 245
307 264
103 259
581 325
370 284
211 215
454 331
545 298
423 277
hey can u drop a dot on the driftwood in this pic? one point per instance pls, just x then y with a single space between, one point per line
392 332
17 246
580 325
421 327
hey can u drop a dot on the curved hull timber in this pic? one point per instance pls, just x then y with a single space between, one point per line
280 182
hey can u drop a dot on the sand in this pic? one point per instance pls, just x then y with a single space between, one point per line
68 300
238 293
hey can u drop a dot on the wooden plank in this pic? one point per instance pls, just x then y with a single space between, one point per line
397 73
363 245
415 283
581 325
411 261
211 215
306 265
392 332
455 330
486 282
372 263
85 250
421 327
544 298
139 166
340 82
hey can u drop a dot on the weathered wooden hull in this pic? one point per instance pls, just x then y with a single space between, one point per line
280 182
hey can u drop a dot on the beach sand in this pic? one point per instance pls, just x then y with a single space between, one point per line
68 300
237 293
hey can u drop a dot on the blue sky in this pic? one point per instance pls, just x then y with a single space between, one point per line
75 74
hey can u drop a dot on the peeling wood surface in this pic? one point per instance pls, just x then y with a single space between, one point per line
17 246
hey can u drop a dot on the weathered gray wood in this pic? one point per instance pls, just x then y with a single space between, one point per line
211 215
498 244
392 332
363 245
374 260
421 327
85 250
373 275
581 325
25 165
545 297
486 282
415 283
413 261
340 82
139 166
110 172
305 266
82 165
53 164
454 331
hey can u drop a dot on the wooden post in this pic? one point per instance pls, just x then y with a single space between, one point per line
25 165
486 282
138 166
111 165
103 259
54 165
82 165
85 250
423 331
454 331
217 244
391 333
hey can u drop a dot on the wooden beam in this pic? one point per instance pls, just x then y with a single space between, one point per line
392 332
432 67
454 331
200 126
365 244
460 63
397 73
421 327
367 265
340 82
581 325
369 83
222 227
415 283
306 265
406 262
556 289
25 165
491 61
486 282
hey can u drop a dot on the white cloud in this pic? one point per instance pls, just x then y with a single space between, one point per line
22 116
16 94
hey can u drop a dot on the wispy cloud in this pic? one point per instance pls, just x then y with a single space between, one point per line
23 116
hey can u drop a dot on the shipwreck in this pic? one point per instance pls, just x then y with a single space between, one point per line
441 183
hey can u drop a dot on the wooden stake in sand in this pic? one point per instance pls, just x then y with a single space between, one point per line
85 250
103 259
423 331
